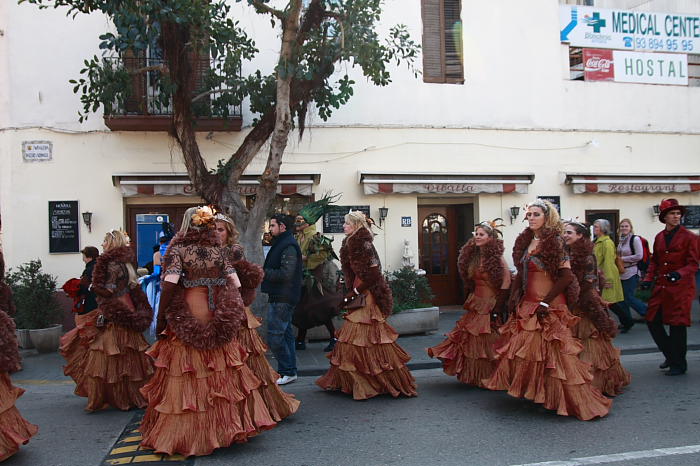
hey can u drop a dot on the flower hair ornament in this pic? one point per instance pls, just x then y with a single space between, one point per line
493 227
541 204
203 216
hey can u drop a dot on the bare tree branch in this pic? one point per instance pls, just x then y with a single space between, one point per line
265 8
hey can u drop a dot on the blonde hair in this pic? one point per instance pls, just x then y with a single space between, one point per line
356 218
551 215
626 220
117 239
233 234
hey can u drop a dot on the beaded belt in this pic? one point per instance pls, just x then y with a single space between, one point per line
210 283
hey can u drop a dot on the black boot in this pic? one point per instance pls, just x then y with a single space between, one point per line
331 345
300 345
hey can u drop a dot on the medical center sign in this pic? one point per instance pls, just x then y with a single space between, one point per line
629 30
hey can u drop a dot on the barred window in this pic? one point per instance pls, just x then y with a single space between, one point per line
442 41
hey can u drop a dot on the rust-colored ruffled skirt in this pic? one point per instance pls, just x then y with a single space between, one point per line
366 360
14 429
108 365
608 374
538 360
200 400
279 403
469 349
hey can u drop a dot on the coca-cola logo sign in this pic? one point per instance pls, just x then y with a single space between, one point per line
598 65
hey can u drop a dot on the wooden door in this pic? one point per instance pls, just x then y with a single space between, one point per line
437 244
612 216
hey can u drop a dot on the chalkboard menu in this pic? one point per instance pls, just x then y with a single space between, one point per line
691 219
64 226
333 220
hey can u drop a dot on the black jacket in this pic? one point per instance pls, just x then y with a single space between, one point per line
90 301
283 270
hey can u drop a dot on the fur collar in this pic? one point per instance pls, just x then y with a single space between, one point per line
489 255
122 254
580 253
203 237
550 250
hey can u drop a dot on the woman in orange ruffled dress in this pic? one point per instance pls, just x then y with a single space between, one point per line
596 329
203 395
468 352
366 361
14 429
538 355
106 351
279 403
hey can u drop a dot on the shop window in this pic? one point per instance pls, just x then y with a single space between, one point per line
443 58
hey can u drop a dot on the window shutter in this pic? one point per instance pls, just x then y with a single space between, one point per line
442 41
433 71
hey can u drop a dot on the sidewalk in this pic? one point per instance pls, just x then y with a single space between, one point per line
48 368
313 361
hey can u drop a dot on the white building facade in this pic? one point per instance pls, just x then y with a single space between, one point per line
504 114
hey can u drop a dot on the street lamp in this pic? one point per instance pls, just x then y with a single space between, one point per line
383 212
87 220
514 212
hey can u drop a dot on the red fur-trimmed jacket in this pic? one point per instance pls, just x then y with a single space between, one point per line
491 262
359 259
584 267
551 252
110 280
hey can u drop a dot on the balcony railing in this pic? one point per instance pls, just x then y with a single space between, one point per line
144 108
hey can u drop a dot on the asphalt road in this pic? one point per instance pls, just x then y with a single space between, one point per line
447 424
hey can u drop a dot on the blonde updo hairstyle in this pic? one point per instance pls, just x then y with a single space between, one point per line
552 221
357 218
117 239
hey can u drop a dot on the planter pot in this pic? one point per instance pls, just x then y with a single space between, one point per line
408 322
23 338
46 340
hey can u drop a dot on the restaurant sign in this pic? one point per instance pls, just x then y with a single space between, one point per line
583 26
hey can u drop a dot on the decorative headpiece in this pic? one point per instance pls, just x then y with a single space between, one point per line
541 204
575 221
492 226
219 217
668 205
202 216
315 210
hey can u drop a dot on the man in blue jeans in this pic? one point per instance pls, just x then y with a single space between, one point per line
282 283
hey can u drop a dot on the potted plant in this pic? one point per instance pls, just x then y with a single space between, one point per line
413 312
38 311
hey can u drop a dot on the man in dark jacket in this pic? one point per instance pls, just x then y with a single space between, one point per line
282 283
89 301
672 270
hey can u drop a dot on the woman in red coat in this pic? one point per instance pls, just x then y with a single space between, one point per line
672 271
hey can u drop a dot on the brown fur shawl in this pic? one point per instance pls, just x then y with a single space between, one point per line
357 257
250 275
9 352
490 256
550 251
590 302
114 310
229 307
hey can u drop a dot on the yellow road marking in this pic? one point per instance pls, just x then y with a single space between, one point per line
145 458
127 449
126 460
175 458
135 438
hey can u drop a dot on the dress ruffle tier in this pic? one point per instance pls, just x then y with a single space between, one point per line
279 403
14 429
468 352
608 374
366 360
108 366
538 360
200 400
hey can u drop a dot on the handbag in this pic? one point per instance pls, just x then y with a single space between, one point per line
357 303
620 265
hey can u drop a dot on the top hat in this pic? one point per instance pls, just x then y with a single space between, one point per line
668 205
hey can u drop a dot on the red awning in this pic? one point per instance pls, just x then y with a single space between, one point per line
445 183
171 184
623 183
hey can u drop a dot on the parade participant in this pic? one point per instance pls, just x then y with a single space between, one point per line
320 295
595 328
105 352
282 283
279 403
202 396
366 361
672 274
605 255
14 429
468 352
538 355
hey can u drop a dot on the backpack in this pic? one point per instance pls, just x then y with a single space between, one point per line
643 264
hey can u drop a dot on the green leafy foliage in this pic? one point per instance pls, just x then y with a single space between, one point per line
34 296
409 289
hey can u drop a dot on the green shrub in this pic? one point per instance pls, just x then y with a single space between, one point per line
410 290
34 296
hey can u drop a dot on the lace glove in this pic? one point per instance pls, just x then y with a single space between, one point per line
166 296
565 278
